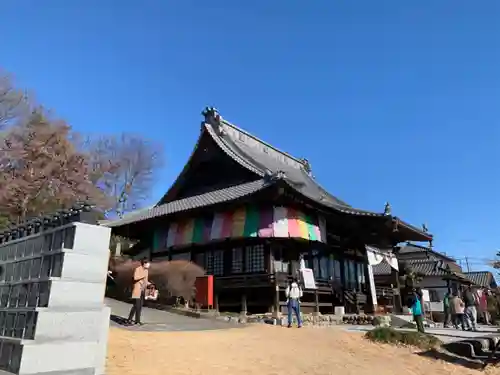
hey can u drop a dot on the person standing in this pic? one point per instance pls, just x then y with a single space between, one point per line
457 311
417 310
483 305
293 294
470 309
140 283
492 307
446 308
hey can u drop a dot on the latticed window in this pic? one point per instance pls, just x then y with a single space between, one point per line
209 264
218 262
215 262
237 260
280 265
255 258
199 259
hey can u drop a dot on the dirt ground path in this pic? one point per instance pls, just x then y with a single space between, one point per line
265 350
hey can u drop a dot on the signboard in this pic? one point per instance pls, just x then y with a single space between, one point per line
427 303
425 295
308 278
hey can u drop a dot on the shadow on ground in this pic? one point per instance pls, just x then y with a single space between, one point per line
474 364
118 320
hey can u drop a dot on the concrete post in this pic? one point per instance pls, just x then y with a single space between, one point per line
55 320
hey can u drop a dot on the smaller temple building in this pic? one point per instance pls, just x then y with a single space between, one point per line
250 214
482 279
436 272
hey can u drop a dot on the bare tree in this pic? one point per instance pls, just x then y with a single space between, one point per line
495 263
13 102
125 167
41 169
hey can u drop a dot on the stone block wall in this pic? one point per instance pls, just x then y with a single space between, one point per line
52 313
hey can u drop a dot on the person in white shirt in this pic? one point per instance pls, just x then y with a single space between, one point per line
293 294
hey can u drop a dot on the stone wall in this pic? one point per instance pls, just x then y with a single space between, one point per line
307 319
52 313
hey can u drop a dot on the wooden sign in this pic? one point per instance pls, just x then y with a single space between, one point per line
308 278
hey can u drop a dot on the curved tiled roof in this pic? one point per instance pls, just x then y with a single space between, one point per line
262 158
265 160
423 266
382 269
197 201
411 248
482 278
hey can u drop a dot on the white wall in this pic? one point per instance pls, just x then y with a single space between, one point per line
432 282
437 284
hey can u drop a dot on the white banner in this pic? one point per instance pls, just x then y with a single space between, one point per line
376 256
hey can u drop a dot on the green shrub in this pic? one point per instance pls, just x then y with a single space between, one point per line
391 336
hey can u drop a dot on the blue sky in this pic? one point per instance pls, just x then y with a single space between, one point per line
389 100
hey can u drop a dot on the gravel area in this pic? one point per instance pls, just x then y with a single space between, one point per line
263 350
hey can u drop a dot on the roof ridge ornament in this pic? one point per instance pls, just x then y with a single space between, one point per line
387 209
212 116
274 176
307 166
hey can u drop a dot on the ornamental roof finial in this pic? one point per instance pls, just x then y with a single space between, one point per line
387 209
307 166
212 115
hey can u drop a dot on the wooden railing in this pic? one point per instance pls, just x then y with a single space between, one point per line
242 281
384 292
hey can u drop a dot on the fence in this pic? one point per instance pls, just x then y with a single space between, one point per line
52 281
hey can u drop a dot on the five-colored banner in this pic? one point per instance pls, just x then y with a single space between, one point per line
244 222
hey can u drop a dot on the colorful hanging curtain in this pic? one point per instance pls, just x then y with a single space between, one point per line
248 222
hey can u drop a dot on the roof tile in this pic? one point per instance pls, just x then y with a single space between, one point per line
481 278
197 201
423 266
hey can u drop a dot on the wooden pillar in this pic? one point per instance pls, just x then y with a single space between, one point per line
343 280
244 304
332 291
118 249
216 301
398 305
269 251
277 311
316 302
371 300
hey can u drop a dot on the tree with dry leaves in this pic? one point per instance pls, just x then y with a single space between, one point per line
174 278
42 170
125 167
13 102
177 277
